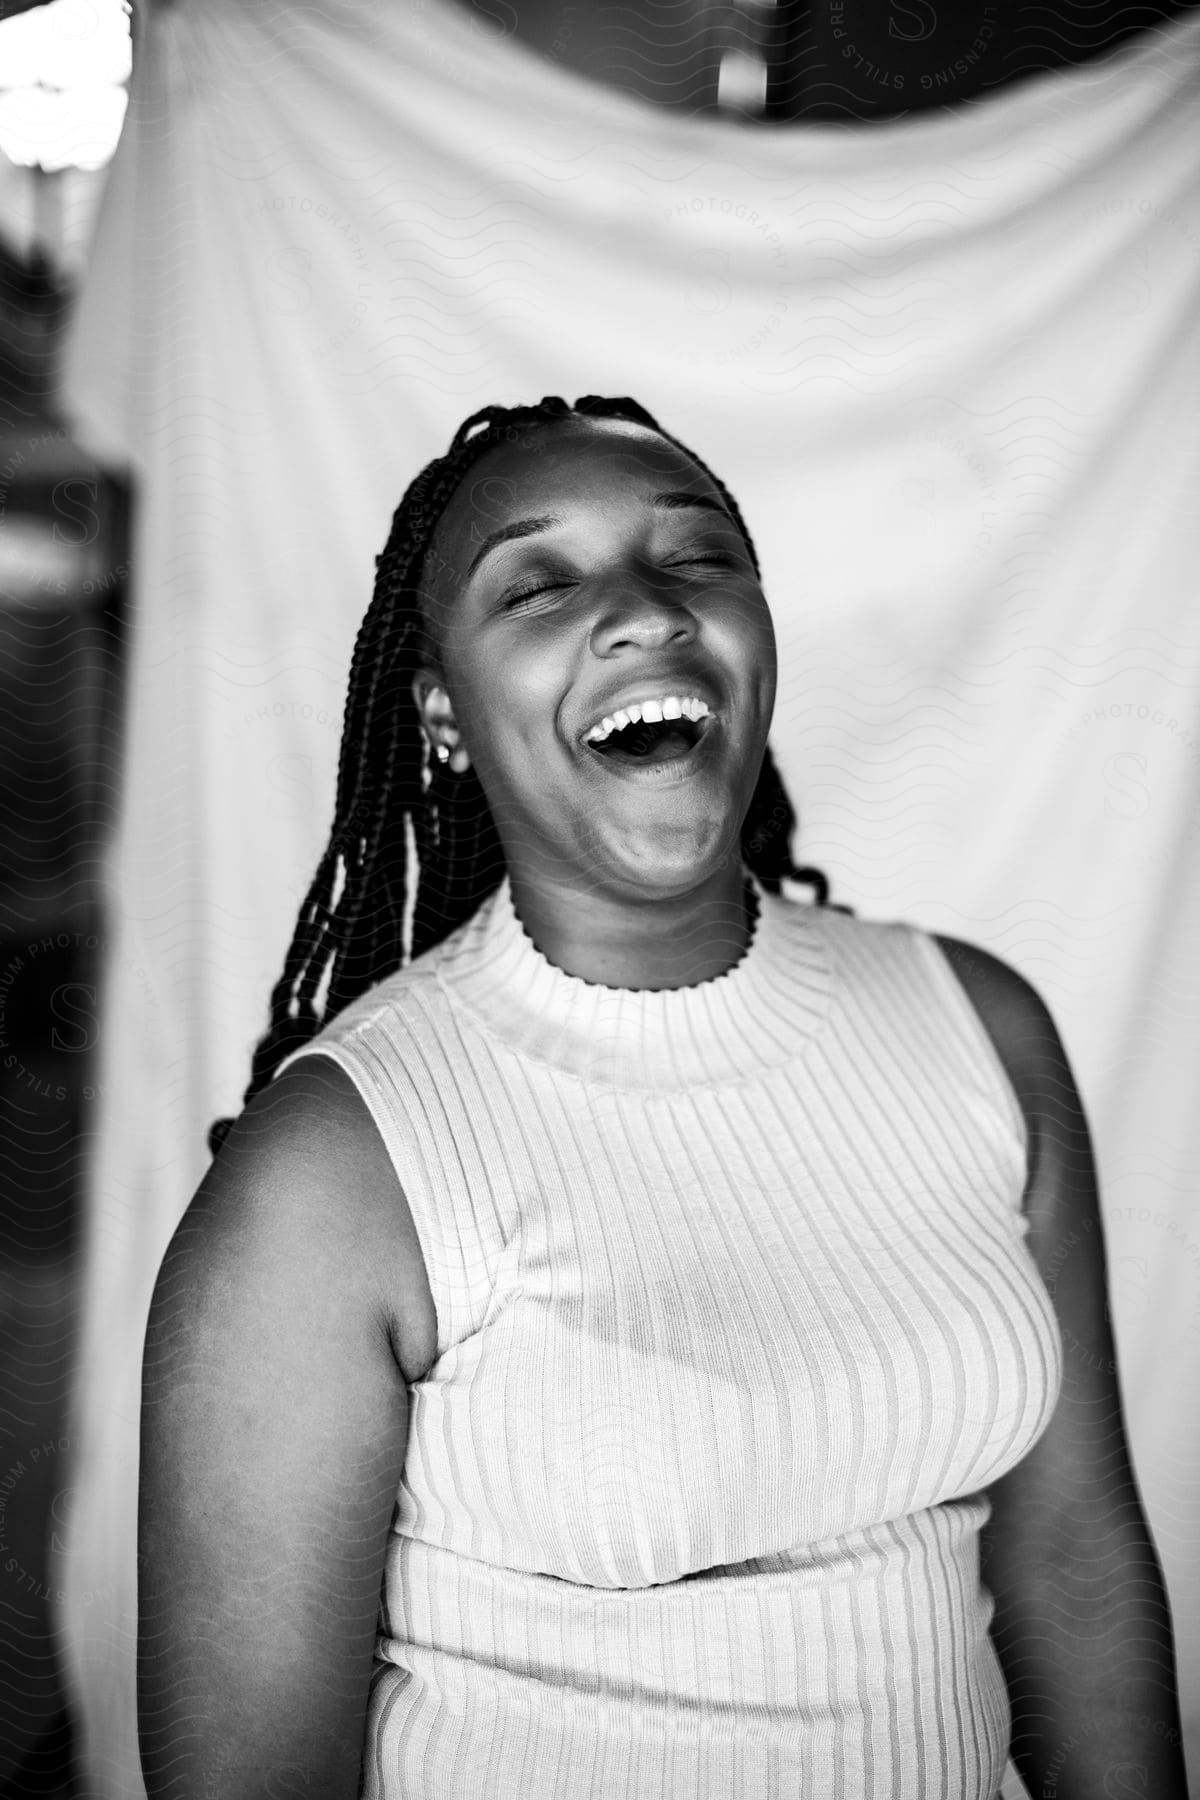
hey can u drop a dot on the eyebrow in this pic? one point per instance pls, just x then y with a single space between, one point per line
522 528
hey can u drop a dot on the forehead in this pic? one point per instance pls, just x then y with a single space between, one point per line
603 465
580 451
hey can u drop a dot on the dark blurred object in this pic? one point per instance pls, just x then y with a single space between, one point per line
32 311
38 1301
47 1772
832 61
63 572
63 576
876 59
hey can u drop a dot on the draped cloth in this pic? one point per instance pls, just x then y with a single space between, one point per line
948 366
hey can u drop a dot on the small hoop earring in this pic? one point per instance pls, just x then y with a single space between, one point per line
443 752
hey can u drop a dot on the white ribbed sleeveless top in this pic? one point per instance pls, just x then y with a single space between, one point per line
736 1322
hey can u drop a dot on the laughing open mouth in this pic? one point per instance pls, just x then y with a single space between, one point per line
651 732
647 741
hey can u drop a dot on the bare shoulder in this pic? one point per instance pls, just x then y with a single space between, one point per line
305 1160
274 1429
1013 1014
1061 1186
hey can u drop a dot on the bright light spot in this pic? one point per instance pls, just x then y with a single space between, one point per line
34 567
742 82
61 73
63 130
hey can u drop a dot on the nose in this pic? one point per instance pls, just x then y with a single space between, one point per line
639 613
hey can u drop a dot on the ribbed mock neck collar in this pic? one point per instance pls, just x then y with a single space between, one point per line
759 1014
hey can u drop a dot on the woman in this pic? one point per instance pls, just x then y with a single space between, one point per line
717 1280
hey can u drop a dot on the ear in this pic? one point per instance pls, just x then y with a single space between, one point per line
436 713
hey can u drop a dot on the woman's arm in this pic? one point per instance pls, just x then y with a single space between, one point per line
1082 1623
274 1423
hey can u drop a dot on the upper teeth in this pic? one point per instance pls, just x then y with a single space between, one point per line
650 712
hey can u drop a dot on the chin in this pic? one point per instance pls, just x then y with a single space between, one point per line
658 868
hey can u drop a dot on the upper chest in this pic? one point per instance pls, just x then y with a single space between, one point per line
845 1180
820 1311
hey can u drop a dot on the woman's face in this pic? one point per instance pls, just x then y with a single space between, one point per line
592 569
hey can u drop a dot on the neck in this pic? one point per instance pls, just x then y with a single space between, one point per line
618 942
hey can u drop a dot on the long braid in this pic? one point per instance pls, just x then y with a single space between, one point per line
392 801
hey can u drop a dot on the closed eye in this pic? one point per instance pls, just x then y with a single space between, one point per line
708 559
718 558
513 602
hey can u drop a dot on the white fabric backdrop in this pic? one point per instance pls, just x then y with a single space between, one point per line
951 370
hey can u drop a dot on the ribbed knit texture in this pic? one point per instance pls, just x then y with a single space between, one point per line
736 1321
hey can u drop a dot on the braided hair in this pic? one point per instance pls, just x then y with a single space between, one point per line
398 813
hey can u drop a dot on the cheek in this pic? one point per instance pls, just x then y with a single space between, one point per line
514 703
761 630
764 651
748 641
